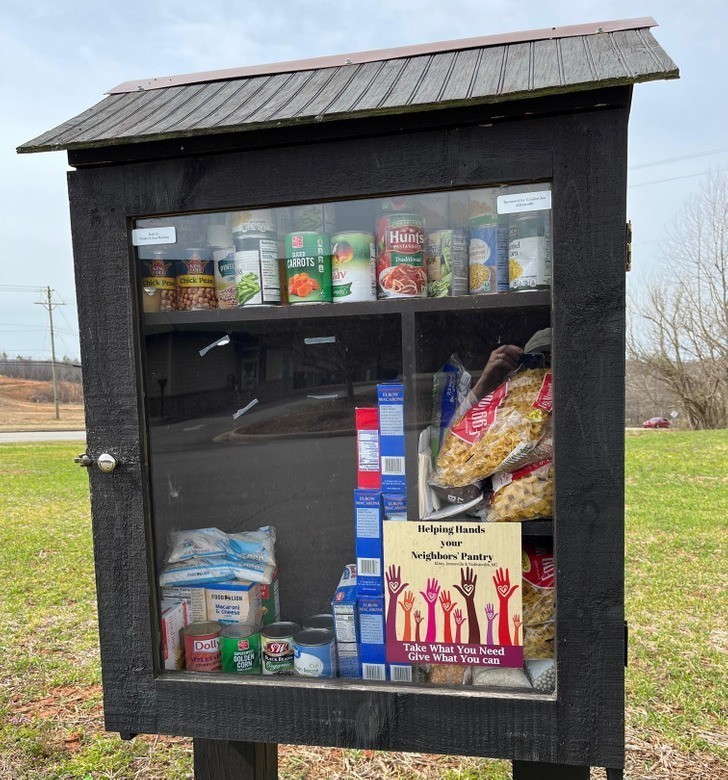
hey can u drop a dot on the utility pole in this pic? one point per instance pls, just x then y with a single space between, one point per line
50 304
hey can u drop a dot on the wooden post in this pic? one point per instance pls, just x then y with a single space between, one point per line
536 770
218 759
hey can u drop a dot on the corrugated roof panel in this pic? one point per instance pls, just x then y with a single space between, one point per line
605 57
577 66
300 103
333 89
378 89
407 82
434 79
366 75
461 75
546 64
273 86
158 116
467 72
517 69
490 69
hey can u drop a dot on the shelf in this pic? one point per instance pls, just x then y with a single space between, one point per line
537 528
189 320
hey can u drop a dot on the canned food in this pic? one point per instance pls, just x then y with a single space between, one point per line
256 270
315 653
202 647
324 620
159 283
240 649
400 256
314 218
483 205
488 254
434 208
308 268
395 203
276 648
260 221
196 281
446 262
353 267
529 251
223 264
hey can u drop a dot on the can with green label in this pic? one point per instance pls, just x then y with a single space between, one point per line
240 649
308 267
353 267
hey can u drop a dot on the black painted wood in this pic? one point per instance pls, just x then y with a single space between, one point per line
216 759
529 770
584 155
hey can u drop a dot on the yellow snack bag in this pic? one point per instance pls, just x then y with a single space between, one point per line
500 432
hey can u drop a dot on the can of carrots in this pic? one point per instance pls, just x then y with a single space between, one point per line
308 268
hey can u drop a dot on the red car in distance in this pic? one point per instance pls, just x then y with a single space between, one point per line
656 422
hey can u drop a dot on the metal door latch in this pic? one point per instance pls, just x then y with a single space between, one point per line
105 462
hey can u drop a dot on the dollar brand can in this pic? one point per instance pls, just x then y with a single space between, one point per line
202 647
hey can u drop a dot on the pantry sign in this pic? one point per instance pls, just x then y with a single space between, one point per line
453 593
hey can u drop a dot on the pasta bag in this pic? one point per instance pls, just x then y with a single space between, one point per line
525 494
498 433
539 605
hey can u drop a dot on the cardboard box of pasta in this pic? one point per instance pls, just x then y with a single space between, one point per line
175 616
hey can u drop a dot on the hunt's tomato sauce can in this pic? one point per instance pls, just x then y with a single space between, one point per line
400 256
202 647
276 648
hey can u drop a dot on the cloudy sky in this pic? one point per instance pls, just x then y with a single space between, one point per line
57 59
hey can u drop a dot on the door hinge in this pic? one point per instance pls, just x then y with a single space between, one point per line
628 263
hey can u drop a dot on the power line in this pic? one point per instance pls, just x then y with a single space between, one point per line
49 304
674 178
677 159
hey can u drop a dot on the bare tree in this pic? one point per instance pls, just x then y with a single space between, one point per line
678 330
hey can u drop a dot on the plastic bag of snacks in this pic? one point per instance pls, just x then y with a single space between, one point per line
498 433
539 604
542 674
524 494
197 543
254 545
450 388
538 641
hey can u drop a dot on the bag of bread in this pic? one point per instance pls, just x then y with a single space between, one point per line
525 494
498 433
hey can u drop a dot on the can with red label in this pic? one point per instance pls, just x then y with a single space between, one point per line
400 256
202 647
276 648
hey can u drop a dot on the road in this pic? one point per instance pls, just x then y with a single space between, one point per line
20 437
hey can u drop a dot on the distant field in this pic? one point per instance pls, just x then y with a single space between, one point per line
50 691
26 405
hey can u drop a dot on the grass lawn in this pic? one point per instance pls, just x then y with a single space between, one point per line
51 723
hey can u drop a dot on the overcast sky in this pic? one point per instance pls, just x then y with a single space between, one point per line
58 59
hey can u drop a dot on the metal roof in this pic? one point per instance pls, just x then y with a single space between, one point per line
453 73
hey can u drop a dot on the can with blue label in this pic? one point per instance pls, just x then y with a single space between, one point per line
488 256
314 653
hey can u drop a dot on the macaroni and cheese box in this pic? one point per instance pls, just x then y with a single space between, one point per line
270 600
391 437
235 601
368 522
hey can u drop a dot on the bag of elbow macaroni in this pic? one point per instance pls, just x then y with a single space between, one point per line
500 432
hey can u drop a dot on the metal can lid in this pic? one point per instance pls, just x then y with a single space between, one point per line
314 637
323 620
280 630
207 627
239 631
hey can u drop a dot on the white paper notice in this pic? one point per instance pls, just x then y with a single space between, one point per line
524 201
160 235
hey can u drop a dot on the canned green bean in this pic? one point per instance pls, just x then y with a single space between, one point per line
240 649
256 270
308 268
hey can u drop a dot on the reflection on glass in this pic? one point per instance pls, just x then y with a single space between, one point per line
256 447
